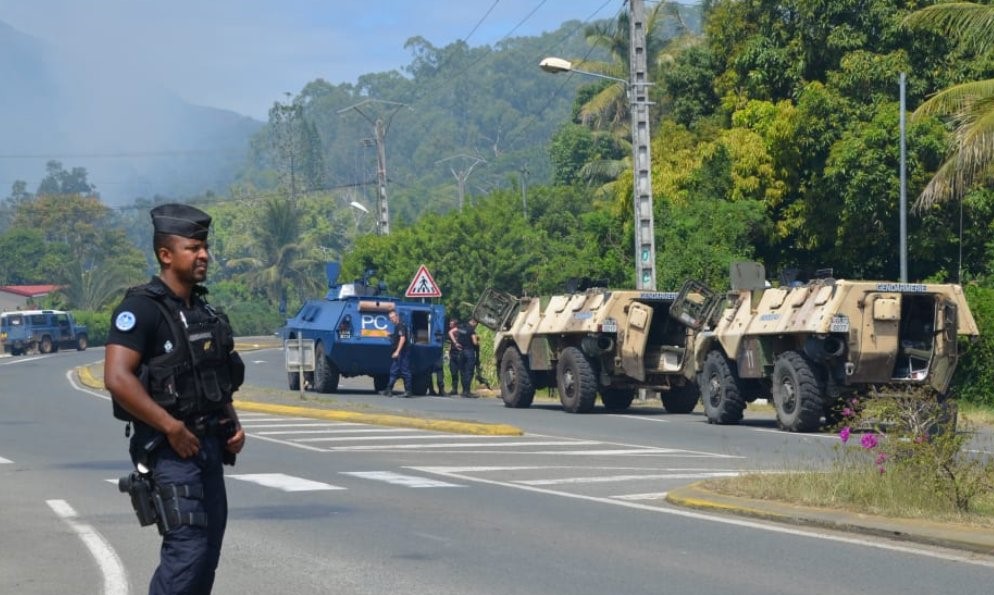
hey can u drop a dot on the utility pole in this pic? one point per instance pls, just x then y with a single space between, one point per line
380 129
638 101
462 175
904 187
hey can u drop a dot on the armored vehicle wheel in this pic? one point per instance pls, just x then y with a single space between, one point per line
325 372
719 385
681 399
516 387
380 382
617 399
419 384
82 343
577 382
46 345
293 379
797 393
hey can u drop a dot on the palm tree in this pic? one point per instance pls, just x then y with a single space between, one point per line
970 106
607 111
284 258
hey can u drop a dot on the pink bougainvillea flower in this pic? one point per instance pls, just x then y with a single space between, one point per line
844 434
846 412
881 459
868 441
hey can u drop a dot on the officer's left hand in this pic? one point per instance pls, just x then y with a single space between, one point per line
236 442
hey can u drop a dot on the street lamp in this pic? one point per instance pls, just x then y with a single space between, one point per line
358 205
557 65
645 241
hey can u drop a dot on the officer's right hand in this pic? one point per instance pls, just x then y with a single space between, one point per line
184 442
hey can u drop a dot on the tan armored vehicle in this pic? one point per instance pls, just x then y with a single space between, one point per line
588 342
812 344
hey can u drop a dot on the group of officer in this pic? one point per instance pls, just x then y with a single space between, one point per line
464 351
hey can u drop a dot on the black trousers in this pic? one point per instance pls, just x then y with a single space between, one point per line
189 554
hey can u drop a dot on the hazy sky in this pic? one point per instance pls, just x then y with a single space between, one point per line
243 55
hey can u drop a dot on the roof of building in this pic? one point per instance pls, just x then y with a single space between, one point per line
30 290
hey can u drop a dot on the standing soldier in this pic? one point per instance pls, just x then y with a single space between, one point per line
455 354
401 356
470 349
171 370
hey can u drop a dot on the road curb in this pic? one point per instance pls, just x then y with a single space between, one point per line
960 537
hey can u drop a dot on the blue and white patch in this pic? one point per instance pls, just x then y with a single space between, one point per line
168 346
125 321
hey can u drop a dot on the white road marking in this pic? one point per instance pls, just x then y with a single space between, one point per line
331 431
615 478
4 461
287 483
22 360
425 436
643 418
410 481
859 540
453 445
111 566
651 496
647 450
255 425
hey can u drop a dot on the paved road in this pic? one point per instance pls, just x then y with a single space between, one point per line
573 506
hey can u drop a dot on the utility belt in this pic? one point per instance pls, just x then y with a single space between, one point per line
214 424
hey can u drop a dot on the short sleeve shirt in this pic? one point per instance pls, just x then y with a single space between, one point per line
400 330
138 324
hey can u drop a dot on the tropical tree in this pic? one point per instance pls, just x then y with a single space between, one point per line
284 257
970 106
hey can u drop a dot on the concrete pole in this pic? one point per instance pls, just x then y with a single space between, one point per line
904 188
638 99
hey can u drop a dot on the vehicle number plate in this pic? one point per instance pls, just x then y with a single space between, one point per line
839 324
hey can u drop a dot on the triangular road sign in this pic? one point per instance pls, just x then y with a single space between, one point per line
423 286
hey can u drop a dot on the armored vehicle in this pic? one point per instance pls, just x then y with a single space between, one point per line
611 342
351 333
43 331
811 344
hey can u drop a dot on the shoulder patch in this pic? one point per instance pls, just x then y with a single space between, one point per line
125 321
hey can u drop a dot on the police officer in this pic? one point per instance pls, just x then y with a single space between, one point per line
469 344
400 365
455 354
171 368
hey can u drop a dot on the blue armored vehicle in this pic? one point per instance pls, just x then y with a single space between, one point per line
351 333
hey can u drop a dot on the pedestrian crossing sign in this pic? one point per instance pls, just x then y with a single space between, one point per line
423 286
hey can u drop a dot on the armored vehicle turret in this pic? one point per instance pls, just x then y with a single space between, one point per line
809 345
351 333
589 342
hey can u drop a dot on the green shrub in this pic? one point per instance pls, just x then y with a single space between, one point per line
974 380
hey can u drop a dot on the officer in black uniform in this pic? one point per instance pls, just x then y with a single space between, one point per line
470 344
400 364
171 369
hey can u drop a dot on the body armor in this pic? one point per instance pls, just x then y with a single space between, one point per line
202 370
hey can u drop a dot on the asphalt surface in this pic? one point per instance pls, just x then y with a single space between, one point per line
693 496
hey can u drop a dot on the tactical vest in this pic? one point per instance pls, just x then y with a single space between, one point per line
202 370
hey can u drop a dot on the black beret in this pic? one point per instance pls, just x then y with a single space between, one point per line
181 220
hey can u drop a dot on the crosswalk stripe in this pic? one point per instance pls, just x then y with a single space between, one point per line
456 437
287 483
614 478
4 461
410 481
650 496
331 431
462 445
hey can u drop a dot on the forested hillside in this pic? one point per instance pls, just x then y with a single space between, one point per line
775 136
